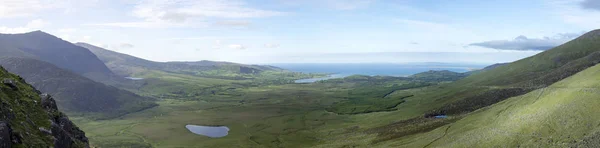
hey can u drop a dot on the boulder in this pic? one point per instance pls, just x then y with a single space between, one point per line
48 102
10 83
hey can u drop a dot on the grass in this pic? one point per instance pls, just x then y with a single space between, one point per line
259 113
375 111
561 115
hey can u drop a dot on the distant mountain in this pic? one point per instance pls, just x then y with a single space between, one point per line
126 65
30 119
75 93
45 47
442 75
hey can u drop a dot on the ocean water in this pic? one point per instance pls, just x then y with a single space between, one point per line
373 69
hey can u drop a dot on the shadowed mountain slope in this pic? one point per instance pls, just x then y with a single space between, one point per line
45 47
75 93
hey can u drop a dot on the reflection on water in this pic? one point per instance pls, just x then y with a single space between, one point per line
133 78
312 80
210 131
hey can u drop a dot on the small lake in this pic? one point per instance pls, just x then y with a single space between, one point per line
210 131
312 80
441 116
133 78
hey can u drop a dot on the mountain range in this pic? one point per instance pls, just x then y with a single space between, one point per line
126 65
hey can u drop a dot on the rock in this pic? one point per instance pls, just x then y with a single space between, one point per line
5 135
48 102
10 83
45 131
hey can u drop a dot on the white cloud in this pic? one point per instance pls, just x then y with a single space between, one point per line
348 4
330 4
145 24
525 43
25 8
33 25
237 46
572 12
217 44
190 13
181 10
269 45
19 8
67 30
424 24
232 23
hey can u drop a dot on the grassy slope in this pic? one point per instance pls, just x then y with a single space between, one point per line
476 91
18 104
526 74
560 115
23 110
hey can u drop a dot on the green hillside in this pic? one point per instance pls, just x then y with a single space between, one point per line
75 93
517 78
30 119
564 114
485 88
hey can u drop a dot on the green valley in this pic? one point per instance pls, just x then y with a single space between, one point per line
299 74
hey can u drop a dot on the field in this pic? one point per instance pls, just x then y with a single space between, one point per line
259 113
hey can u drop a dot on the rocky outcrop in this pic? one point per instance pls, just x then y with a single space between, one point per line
5 134
31 119
65 133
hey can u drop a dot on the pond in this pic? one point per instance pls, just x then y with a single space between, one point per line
133 78
312 80
210 131
441 116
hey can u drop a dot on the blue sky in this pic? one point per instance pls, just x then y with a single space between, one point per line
310 31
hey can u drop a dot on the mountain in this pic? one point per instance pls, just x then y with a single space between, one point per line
126 65
75 93
31 119
45 47
493 66
480 90
522 76
564 114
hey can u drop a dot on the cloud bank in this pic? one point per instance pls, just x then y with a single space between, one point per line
524 43
591 4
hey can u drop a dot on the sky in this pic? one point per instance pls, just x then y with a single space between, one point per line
310 31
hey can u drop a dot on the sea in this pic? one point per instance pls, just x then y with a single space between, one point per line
340 70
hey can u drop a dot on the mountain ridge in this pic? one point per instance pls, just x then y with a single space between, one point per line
46 47
126 65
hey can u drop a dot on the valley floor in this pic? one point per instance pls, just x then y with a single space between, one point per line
288 115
